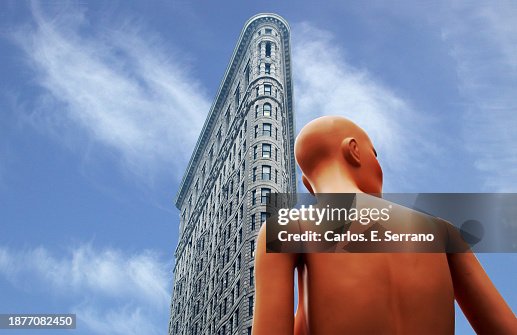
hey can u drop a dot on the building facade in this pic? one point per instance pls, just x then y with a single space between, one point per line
245 151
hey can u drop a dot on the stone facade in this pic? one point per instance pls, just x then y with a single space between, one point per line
245 151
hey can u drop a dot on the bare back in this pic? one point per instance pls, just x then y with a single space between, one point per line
376 294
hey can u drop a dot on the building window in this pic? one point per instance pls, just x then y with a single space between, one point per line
268 68
263 217
253 196
268 31
276 176
247 73
266 150
256 131
249 329
237 96
255 151
250 310
276 133
256 111
266 129
254 174
276 154
253 222
228 116
252 250
265 194
257 90
267 89
268 49
240 238
266 172
266 109
252 276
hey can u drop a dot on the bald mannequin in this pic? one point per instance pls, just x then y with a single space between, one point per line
404 293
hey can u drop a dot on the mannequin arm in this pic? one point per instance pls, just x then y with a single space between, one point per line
274 290
478 298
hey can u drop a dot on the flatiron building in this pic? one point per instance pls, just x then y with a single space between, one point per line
244 153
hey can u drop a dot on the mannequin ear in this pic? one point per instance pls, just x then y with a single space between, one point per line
350 150
307 184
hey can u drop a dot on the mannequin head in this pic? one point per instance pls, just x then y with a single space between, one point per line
335 155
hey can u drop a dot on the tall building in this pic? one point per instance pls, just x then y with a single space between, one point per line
245 151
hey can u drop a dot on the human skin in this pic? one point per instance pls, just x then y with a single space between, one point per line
403 293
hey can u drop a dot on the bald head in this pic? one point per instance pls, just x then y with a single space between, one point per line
335 147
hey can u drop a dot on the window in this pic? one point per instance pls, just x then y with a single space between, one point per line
247 73
252 276
267 89
268 68
237 96
227 115
253 222
254 174
253 195
257 90
266 172
263 217
266 129
255 151
276 154
276 133
250 310
266 109
265 194
249 328
256 131
268 31
266 150
276 176
219 136
256 111
252 250
268 49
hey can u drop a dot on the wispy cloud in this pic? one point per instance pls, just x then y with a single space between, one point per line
111 286
326 84
124 320
483 42
119 84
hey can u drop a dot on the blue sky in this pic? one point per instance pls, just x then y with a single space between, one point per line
101 105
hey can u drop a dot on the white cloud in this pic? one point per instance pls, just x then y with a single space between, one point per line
483 42
119 84
126 320
326 84
106 286
107 272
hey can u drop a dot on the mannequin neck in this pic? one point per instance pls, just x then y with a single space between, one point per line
334 179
